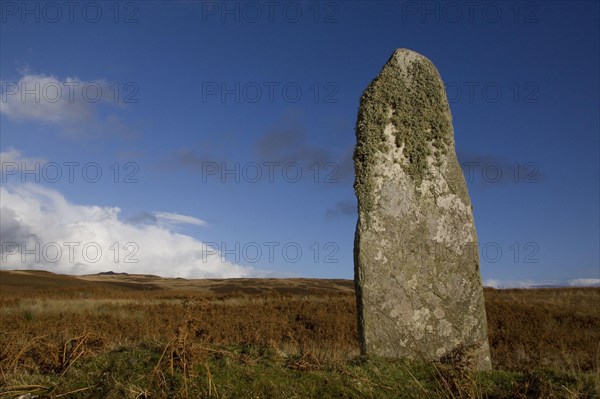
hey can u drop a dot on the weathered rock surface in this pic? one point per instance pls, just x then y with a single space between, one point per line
418 284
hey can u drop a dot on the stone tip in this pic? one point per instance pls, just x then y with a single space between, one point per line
404 51
404 56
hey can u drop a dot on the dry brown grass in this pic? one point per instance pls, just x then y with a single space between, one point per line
537 328
38 321
46 328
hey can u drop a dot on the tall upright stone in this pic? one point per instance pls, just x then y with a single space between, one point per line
418 285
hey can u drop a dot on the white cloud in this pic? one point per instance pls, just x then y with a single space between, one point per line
491 283
516 283
175 218
12 161
581 282
14 155
71 104
34 215
45 99
585 282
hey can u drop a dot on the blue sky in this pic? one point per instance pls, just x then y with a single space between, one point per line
232 124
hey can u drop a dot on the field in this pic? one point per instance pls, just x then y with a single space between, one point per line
129 336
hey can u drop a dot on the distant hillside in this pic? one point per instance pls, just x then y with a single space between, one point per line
43 280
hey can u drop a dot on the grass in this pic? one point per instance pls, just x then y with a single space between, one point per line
102 341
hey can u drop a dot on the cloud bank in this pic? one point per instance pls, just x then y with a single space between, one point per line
71 104
40 229
579 282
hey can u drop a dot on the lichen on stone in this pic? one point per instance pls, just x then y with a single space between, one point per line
419 115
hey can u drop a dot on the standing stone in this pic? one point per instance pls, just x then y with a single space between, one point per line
418 285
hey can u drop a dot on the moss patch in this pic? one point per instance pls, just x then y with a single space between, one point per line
420 116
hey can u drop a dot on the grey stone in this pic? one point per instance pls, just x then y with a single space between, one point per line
418 285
